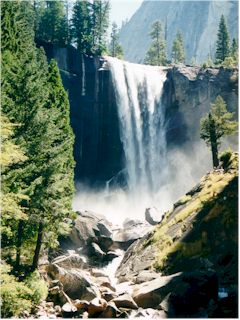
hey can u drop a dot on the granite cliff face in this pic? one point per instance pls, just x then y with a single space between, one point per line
98 150
198 21
189 92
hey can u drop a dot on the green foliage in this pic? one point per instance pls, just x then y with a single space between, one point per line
16 26
229 62
217 124
156 55
81 26
100 22
208 64
11 154
225 158
38 287
178 52
223 49
51 22
15 296
38 177
89 26
234 50
115 49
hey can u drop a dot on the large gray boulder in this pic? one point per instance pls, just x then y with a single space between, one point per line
153 216
132 230
73 260
91 236
180 294
77 283
137 258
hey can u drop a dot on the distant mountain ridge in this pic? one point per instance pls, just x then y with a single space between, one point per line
198 21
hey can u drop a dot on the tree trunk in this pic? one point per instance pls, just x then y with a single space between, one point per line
18 244
214 145
38 247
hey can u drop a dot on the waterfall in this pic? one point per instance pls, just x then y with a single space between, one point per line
138 91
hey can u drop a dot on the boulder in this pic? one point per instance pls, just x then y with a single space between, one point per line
145 276
94 251
96 306
81 305
111 255
180 294
132 231
107 294
125 301
153 216
111 311
150 294
104 282
128 223
76 283
68 310
149 313
89 227
136 259
98 273
72 261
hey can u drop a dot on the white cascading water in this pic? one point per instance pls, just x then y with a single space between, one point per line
138 91
153 174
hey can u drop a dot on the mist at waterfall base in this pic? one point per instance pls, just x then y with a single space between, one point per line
156 176
117 205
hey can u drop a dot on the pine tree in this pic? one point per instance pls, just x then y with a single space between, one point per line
217 124
34 99
23 85
178 53
115 49
156 55
100 22
234 50
53 23
223 42
57 187
11 209
81 26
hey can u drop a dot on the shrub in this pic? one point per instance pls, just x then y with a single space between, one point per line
16 296
225 158
38 286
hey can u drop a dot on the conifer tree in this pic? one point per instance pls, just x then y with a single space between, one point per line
100 22
34 99
11 209
115 49
223 42
56 189
178 53
217 124
53 23
81 26
234 50
156 55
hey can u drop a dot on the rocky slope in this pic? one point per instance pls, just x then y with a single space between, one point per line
195 247
185 266
198 21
